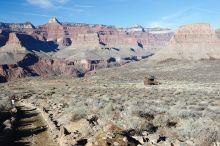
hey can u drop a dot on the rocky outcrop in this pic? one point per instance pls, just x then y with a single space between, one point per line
192 42
195 33
86 41
13 40
33 65
53 20
10 72
46 67
55 31
13 44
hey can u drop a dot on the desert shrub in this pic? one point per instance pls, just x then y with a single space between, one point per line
189 114
106 113
5 104
130 122
203 130
78 114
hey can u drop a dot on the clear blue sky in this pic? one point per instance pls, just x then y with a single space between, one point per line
121 13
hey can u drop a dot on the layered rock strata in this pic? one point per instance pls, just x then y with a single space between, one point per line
192 42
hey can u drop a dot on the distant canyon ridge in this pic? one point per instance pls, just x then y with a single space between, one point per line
73 49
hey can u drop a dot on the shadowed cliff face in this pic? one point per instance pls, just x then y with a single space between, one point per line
19 42
2 79
3 37
28 60
33 44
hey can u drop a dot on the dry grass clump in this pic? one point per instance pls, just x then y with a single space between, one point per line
73 114
77 116
5 103
204 130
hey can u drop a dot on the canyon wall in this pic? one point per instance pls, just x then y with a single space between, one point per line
192 42
18 27
64 48
69 49
76 34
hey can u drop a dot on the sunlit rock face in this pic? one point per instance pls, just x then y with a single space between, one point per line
195 33
13 44
13 39
55 31
192 42
67 34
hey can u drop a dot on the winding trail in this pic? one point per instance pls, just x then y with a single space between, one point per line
31 128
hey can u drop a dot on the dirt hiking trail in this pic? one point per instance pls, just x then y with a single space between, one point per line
31 128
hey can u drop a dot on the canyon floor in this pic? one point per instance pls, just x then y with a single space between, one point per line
183 109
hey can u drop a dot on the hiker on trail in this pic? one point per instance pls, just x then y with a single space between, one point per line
13 100
13 108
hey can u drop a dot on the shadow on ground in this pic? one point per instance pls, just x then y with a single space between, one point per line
25 128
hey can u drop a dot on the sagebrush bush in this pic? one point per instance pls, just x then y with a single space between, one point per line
5 103
204 130
79 113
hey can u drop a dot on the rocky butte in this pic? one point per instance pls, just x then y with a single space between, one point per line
192 42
